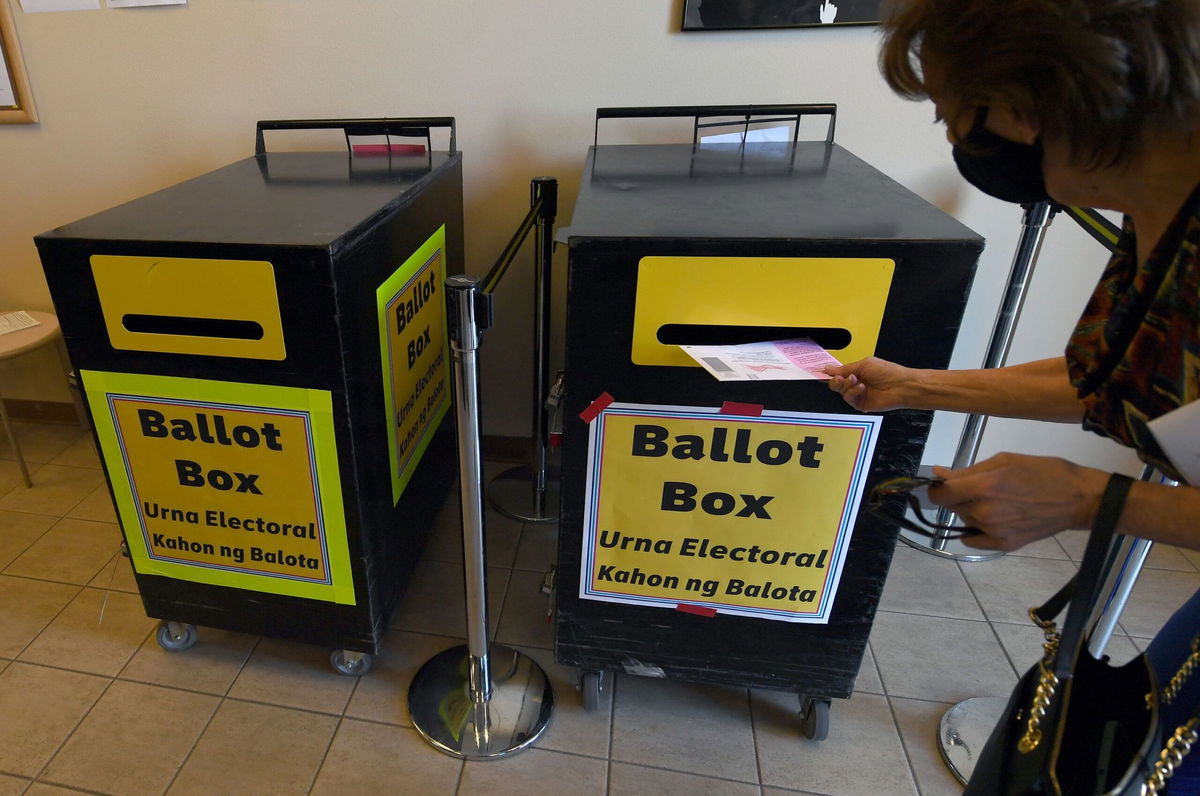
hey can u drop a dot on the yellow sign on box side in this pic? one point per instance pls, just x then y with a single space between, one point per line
190 290
226 483
799 292
743 515
414 352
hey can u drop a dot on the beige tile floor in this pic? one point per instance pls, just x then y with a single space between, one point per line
98 707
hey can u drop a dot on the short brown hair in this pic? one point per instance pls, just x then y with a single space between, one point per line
1094 72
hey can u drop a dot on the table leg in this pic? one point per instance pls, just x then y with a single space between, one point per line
12 437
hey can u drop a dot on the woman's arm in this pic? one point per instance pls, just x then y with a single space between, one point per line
1016 499
1167 514
1037 390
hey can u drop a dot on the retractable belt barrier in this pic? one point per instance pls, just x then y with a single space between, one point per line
482 701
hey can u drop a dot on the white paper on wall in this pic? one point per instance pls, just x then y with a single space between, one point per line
136 3
756 136
40 6
8 97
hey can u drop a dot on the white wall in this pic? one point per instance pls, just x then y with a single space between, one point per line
132 100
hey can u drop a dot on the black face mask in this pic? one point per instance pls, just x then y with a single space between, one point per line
1000 167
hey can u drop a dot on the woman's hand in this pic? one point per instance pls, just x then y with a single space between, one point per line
871 384
1016 499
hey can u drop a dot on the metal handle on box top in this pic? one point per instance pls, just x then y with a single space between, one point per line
409 127
772 113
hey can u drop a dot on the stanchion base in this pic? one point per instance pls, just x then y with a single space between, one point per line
441 708
963 731
947 548
512 494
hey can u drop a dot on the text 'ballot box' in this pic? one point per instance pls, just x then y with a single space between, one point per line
263 352
711 530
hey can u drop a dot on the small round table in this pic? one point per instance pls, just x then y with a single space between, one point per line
19 342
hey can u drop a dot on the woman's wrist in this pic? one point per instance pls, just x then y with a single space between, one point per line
1090 486
924 388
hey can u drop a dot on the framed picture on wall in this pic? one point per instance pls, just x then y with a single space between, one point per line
749 14
16 100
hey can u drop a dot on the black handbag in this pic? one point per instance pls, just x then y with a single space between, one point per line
1075 725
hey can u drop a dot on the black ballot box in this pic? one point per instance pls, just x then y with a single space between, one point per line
713 530
263 353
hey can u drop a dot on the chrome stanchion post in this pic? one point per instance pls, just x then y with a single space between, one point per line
477 701
1128 558
1033 228
545 188
531 492
465 344
965 728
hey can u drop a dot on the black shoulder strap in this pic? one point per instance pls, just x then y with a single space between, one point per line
1084 589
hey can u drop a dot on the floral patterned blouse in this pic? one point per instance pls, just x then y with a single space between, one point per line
1135 353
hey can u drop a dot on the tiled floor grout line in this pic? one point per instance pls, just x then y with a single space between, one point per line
57 517
889 697
507 597
990 624
31 544
311 711
754 739
462 772
195 742
67 738
217 709
87 585
111 679
70 788
675 771
983 621
83 672
332 738
152 684
49 622
925 700
242 667
875 665
912 770
612 727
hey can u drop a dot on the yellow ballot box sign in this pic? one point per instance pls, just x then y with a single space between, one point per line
709 511
225 483
415 355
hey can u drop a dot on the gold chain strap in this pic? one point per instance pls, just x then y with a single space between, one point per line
1172 757
1045 689
1176 685
1176 748
1185 735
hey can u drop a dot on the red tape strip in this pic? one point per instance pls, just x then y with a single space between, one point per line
596 407
747 410
698 610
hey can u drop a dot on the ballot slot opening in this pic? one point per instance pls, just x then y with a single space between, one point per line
193 327
829 338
